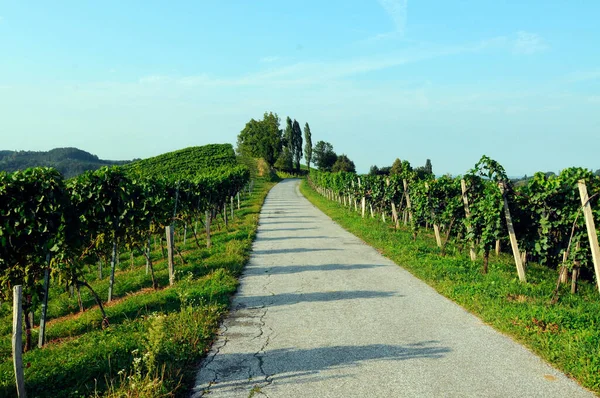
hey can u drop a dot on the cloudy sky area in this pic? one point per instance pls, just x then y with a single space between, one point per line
449 81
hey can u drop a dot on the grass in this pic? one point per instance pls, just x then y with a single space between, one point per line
155 339
566 334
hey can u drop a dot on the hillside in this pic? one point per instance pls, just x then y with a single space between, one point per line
186 162
68 161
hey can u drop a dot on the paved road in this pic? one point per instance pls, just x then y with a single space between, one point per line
321 314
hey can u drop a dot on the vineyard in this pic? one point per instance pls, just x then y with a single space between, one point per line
544 220
453 234
66 244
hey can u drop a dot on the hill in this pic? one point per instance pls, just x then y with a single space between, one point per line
68 161
186 162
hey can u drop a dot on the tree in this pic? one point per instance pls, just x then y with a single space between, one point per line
343 163
374 170
285 161
597 173
288 135
308 145
396 167
425 172
297 144
261 138
428 167
324 156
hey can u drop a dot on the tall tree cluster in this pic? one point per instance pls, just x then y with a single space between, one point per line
261 138
308 145
279 148
297 144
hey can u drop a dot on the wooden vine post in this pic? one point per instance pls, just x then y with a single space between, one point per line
42 334
148 256
113 262
512 235
17 340
394 211
207 223
408 206
363 202
170 250
463 186
575 272
591 228
436 228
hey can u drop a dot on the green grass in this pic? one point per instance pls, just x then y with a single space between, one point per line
566 334
156 338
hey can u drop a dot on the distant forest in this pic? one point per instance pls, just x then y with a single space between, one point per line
68 161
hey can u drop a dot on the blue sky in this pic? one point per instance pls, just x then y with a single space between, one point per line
446 80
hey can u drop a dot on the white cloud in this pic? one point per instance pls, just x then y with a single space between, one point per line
528 43
269 59
397 10
319 72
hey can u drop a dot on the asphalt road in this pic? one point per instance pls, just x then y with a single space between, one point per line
321 314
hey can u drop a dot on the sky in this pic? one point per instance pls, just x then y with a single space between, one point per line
449 81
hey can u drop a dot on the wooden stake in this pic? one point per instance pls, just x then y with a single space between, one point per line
17 340
463 186
207 223
148 256
497 247
113 262
408 206
363 206
513 236
436 228
170 250
575 273
238 200
564 273
42 335
591 228
394 211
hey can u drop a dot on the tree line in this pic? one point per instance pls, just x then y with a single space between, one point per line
70 162
283 148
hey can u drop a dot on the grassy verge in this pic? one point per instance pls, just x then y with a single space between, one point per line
566 334
156 338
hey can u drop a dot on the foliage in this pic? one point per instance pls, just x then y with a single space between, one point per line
343 163
396 167
545 213
323 156
185 163
307 145
261 138
565 334
83 360
297 144
285 162
33 209
70 162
